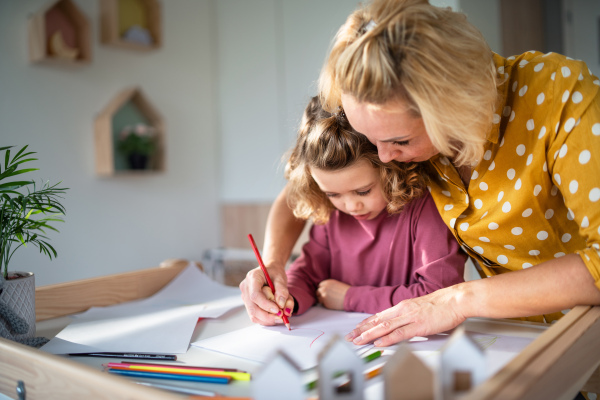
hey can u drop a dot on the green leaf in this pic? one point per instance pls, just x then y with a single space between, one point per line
20 237
15 184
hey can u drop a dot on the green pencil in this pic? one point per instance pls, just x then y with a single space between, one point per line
373 356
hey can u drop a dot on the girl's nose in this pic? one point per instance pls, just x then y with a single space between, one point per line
353 206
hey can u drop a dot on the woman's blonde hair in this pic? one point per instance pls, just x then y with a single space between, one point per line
430 58
327 141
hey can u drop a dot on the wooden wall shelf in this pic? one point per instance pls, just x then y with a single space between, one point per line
131 24
60 34
111 121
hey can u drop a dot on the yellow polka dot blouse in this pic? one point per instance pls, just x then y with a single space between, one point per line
535 195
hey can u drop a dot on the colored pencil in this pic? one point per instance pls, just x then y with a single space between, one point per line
368 375
183 366
264 270
160 375
240 376
372 356
146 356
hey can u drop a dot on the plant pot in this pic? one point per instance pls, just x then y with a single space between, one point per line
137 161
18 294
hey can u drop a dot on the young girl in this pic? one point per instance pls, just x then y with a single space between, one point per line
377 237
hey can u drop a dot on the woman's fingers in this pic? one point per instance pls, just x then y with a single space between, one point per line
376 328
254 298
259 316
421 316
259 300
279 279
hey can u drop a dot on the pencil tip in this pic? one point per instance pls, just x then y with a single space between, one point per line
288 326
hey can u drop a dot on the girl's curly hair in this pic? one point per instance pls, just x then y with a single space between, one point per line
327 141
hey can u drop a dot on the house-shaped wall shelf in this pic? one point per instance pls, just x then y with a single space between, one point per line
128 109
131 24
60 34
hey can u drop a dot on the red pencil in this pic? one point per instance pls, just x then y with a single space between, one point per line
264 270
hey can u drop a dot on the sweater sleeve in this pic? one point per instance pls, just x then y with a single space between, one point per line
437 261
308 270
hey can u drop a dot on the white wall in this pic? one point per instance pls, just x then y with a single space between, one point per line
270 53
582 32
119 223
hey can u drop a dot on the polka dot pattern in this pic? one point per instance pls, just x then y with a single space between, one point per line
542 154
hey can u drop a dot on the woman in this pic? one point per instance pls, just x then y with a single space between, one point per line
513 146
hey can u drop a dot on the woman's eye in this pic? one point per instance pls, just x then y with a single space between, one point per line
401 143
366 192
331 194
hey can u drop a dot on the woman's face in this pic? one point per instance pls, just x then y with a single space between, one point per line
397 133
354 190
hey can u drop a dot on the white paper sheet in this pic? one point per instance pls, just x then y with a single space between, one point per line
162 323
310 333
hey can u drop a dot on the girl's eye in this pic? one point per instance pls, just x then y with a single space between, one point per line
331 194
401 143
366 192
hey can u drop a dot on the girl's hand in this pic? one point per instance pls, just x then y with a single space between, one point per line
331 293
262 306
422 316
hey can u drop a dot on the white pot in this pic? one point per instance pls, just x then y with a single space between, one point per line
19 295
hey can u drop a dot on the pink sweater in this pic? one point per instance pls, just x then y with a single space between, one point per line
385 260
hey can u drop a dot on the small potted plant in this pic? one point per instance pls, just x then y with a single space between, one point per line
27 212
137 143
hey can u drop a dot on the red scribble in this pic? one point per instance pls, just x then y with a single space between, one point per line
312 329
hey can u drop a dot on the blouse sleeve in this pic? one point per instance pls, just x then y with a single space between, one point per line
574 155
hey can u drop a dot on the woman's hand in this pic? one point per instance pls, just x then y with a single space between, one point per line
422 316
331 293
262 305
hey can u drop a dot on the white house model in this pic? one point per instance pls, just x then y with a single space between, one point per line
341 372
462 366
279 378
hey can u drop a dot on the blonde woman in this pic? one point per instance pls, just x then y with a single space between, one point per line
513 145
377 237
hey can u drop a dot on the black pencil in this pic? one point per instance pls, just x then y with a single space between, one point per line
145 356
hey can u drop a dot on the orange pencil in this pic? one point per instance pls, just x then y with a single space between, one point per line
264 270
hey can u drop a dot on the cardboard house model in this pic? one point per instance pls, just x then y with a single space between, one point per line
279 375
341 372
407 377
462 366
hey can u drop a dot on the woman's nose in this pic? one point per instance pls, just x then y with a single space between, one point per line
386 152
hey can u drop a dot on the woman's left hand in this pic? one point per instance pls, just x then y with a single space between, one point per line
331 293
422 316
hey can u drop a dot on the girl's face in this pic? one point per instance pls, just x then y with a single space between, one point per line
397 133
355 190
